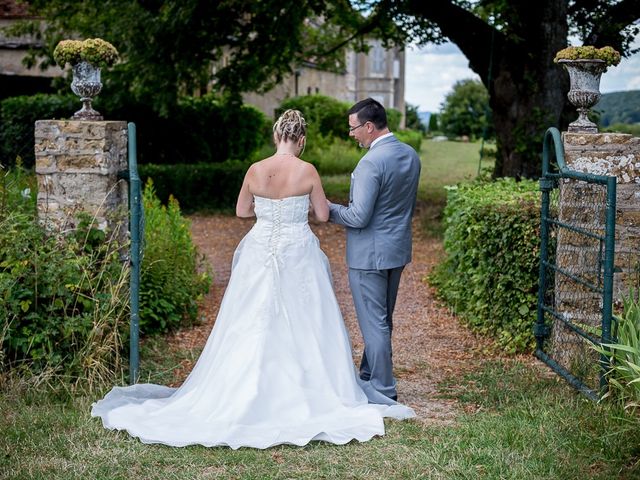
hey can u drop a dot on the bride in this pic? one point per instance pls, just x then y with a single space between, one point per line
277 367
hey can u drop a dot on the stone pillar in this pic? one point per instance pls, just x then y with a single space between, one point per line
77 165
583 205
617 155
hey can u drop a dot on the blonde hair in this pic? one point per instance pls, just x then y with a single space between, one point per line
290 126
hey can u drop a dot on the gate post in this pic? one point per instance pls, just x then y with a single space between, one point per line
77 165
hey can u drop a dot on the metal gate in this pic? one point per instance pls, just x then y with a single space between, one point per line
576 269
136 232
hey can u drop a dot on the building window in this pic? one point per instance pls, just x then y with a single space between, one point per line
378 59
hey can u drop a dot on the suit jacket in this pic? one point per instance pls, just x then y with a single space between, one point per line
382 200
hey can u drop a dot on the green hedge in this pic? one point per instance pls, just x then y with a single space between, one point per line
197 187
18 116
324 115
412 137
199 130
490 273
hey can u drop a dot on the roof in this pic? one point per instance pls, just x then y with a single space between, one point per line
14 9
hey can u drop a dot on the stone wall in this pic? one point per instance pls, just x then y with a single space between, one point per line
583 205
615 154
77 165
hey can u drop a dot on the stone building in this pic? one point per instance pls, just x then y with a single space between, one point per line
15 78
378 74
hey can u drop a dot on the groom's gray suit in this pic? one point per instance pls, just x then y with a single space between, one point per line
378 220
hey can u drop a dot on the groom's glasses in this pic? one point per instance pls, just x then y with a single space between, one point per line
351 129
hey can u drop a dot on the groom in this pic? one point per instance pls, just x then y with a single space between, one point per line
378 221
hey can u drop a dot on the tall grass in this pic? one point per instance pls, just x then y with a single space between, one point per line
623 355
63 301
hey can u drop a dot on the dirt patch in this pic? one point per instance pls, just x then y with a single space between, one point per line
429 345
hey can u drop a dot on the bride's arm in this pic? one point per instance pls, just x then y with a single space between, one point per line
245 205
319 206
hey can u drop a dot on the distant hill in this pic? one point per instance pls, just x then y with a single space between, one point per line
619 107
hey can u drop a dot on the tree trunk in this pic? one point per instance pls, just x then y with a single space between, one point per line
528 93
515 62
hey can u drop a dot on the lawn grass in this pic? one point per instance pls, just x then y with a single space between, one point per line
443 163
520 424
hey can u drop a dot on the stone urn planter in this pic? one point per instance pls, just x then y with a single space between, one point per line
584 92
87 85
585 66
86 58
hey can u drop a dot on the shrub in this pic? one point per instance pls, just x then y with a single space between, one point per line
412 137
393 119
18 116
197 187
170 284
490 273
64 302
325 116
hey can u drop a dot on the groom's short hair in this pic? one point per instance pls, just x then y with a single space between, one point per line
370 110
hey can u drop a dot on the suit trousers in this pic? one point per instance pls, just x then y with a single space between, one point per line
374 295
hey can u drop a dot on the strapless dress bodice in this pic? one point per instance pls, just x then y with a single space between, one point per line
281 221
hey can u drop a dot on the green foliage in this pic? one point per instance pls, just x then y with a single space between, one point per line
333 156
393 119
171 285
325 116
203 129
412 137
434 122
206 129
93 50
197 187
171 47
466 111
63 302
623 372
610 56
490 273
624 128
412 120
18 116
618 108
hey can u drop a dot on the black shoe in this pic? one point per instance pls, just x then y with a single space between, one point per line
394 398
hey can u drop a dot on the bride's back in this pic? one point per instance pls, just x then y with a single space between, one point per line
281 176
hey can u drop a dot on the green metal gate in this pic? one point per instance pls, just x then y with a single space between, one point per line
136 232
576 269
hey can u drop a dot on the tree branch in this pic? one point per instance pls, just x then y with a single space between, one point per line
607 31
470 33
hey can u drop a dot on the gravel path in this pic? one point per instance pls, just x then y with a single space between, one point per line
429 345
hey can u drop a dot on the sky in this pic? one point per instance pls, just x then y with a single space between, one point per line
431 72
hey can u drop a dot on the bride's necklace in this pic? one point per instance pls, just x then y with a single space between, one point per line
285 153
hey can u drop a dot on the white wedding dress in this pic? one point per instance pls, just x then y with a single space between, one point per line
277 367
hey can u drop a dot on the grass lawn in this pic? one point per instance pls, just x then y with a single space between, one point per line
443 163
519 424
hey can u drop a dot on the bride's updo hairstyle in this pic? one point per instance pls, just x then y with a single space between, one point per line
290 126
